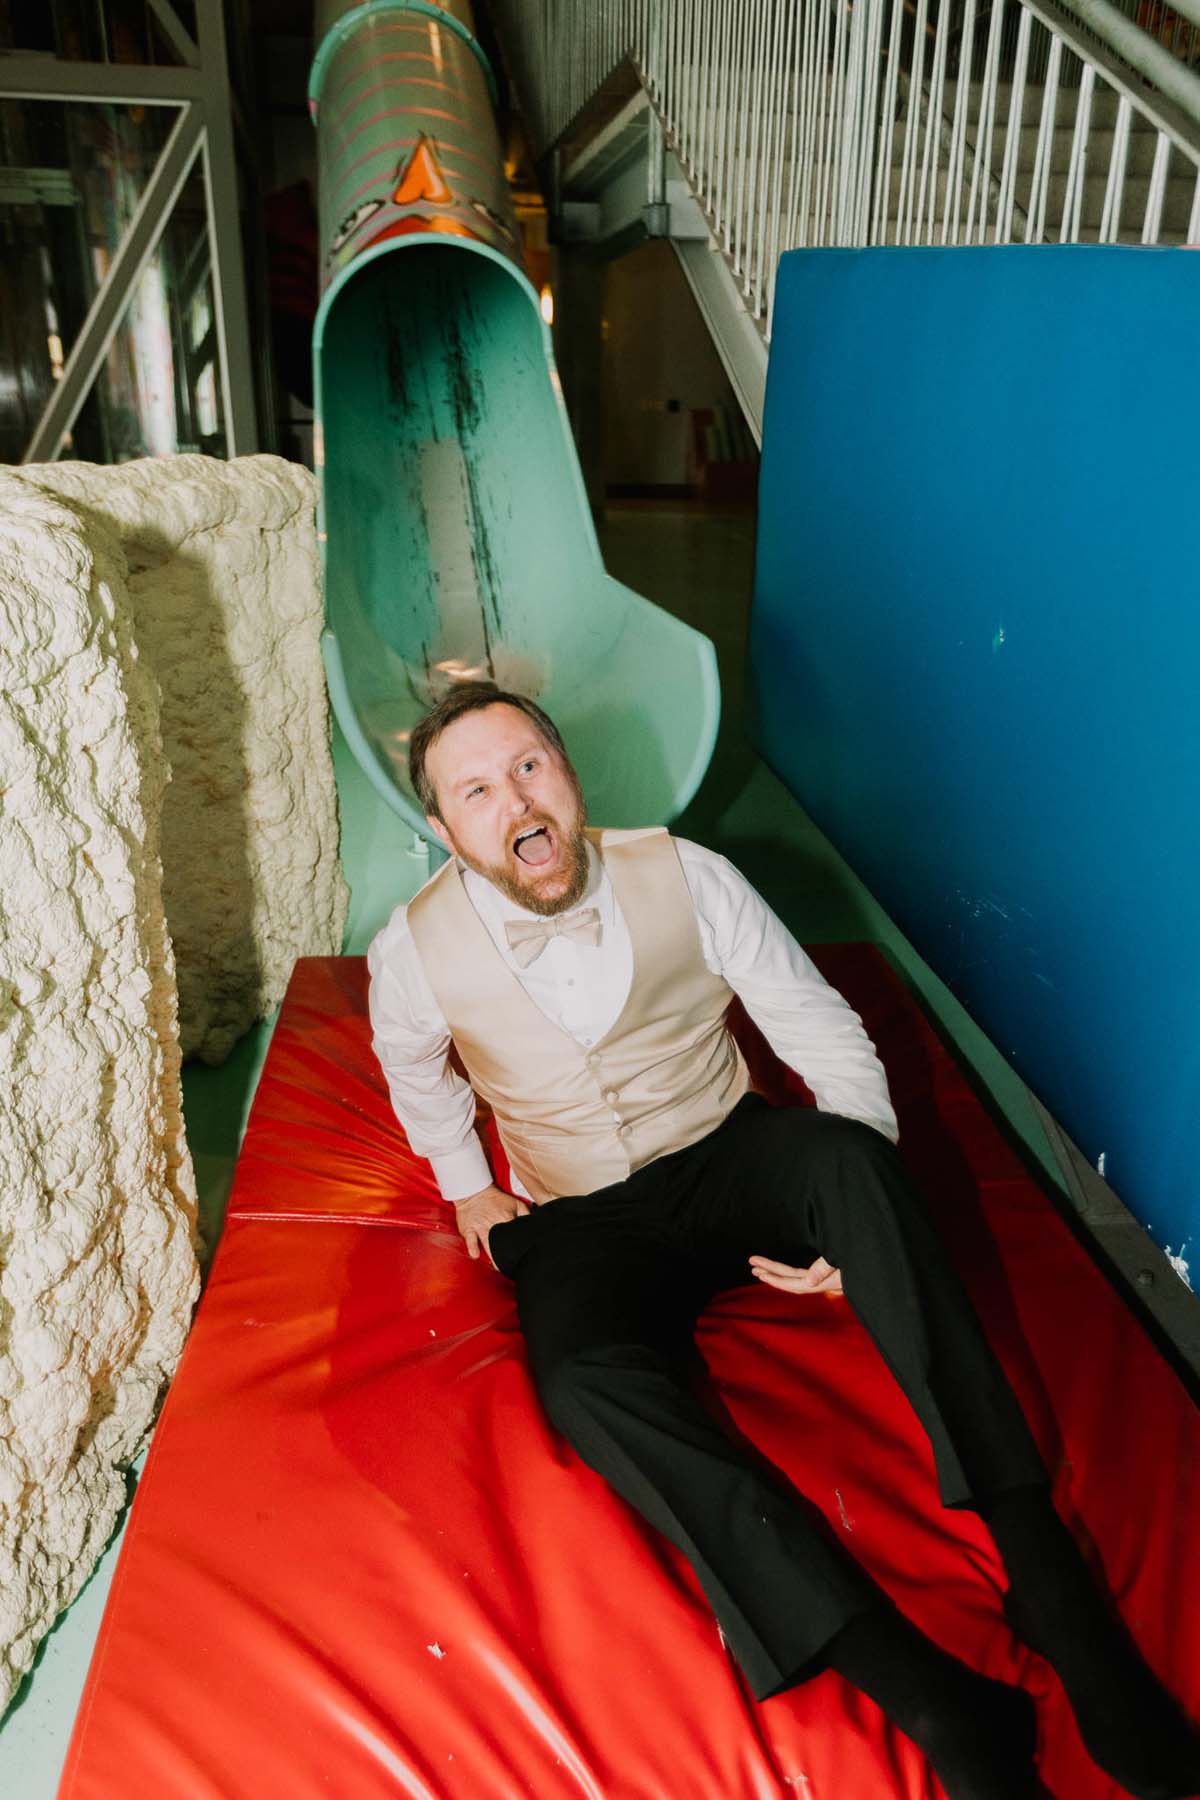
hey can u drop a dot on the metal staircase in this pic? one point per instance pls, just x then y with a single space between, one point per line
1097 207
743 128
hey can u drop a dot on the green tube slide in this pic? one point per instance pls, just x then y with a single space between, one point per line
456 536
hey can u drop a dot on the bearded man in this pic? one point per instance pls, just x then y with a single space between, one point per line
584 978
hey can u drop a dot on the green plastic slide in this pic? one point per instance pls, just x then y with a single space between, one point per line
456 534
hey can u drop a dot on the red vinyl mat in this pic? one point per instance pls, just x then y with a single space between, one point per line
360 1564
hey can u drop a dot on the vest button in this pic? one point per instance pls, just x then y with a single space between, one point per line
612 1096
624 1130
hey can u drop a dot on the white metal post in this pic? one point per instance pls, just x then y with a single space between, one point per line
958 130
1110 218
1152 224
1193 230
1012 141
888 130
934 122
1039 187
981 167
1073 198
786 133
912 128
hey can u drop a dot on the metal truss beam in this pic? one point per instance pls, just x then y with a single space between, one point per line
125 84
176 30
739 342
200 88
115 291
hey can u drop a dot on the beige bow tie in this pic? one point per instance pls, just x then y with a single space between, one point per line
527 938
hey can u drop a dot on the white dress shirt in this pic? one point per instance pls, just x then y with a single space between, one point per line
582 988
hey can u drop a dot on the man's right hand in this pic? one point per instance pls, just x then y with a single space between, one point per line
479 1212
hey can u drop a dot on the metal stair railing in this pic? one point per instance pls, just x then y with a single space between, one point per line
851 122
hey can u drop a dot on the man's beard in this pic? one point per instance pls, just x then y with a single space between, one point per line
573 860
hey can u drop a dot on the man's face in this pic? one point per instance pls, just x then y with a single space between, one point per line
511 808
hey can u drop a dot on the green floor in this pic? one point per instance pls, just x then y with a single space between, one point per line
700 567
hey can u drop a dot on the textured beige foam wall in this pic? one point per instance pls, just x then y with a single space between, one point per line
160 684
97 1201
224 580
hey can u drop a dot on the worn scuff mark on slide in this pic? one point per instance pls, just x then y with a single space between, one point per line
467 412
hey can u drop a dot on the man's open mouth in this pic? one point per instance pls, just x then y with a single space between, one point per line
535 847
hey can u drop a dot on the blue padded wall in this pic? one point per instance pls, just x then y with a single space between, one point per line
976 642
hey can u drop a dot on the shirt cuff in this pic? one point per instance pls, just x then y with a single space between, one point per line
462 1172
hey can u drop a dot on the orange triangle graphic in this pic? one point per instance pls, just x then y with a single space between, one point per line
422 179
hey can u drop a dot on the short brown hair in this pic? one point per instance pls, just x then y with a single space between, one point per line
466 697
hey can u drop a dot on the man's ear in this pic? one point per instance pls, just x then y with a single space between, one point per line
440 831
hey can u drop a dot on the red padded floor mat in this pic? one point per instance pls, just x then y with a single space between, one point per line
360 1564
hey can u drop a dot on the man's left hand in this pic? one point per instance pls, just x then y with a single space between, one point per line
819 1278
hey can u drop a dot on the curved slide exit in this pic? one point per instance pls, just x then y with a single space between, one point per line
456 534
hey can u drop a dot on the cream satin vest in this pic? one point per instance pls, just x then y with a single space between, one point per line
668 1069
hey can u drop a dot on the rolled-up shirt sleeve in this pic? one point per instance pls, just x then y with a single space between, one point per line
807 1023
410 1037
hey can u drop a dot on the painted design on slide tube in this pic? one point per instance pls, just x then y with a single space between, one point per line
426 201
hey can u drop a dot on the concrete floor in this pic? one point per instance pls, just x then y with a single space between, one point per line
698 566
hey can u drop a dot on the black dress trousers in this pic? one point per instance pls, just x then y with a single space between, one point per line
609 1286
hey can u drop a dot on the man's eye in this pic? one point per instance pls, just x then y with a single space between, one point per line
475 790
529 765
